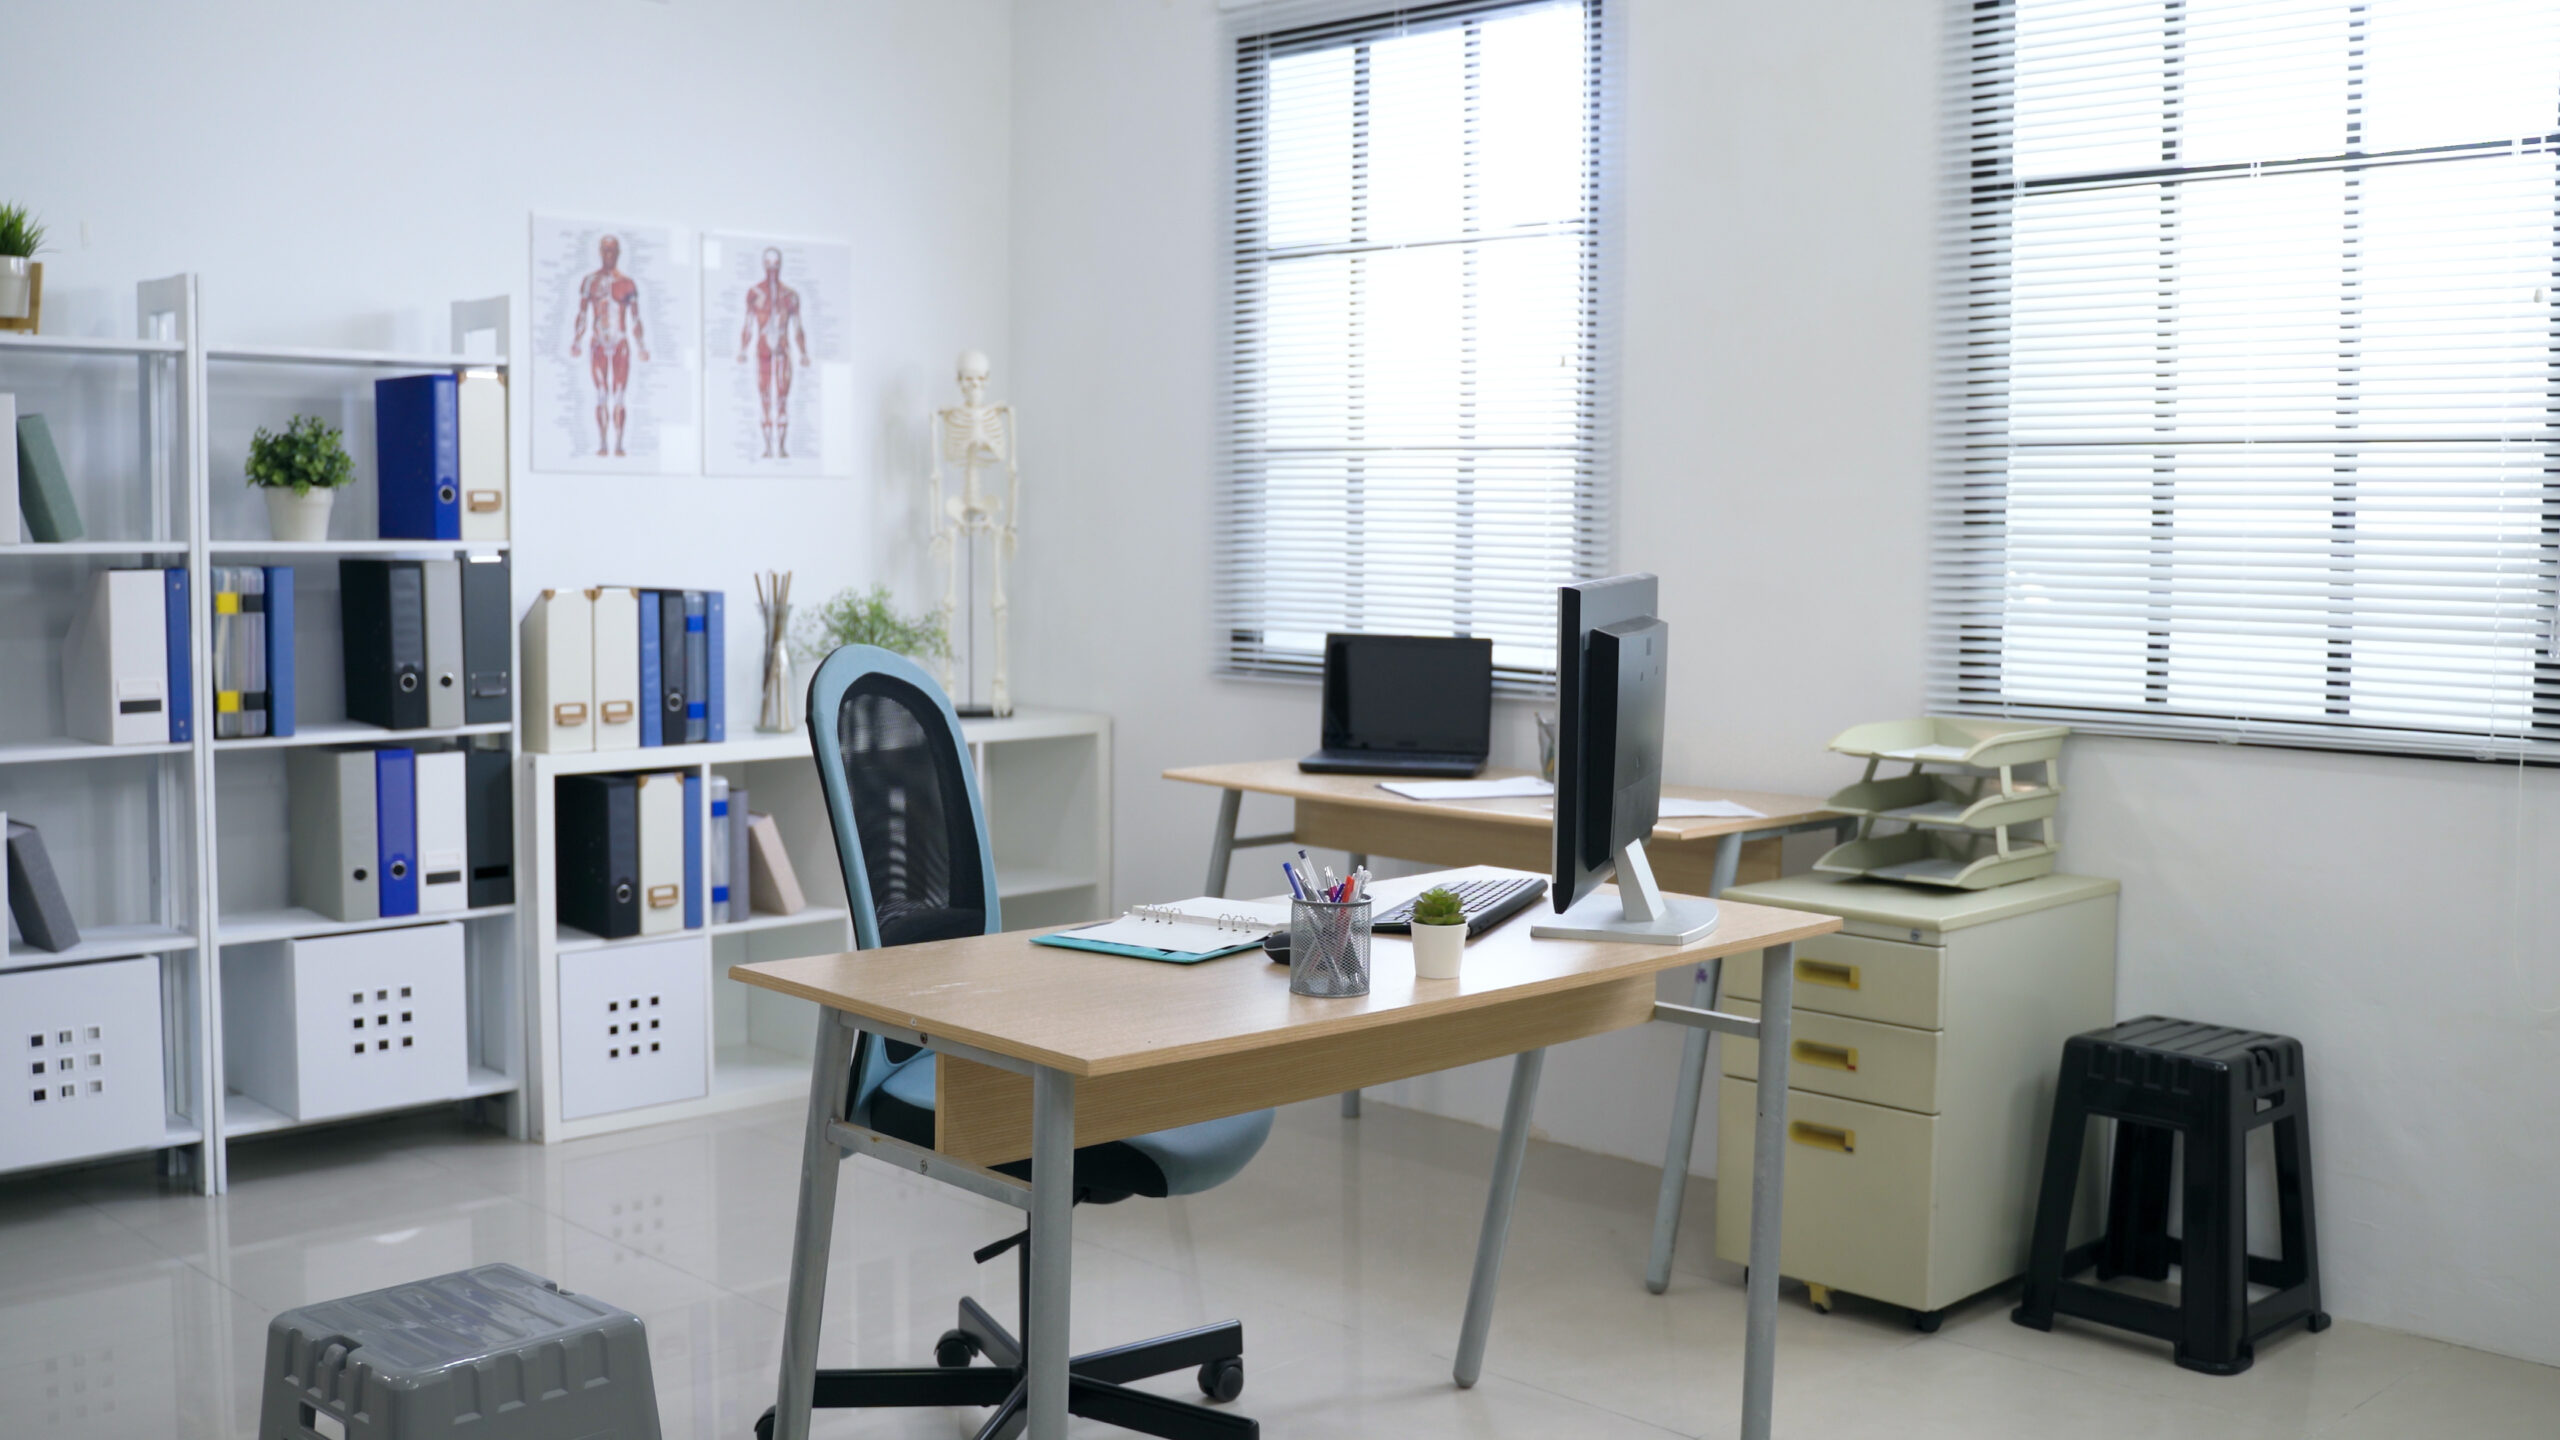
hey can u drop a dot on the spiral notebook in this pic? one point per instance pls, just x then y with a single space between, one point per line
1182 931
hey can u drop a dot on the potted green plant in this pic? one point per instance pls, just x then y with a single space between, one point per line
868 617
1439 935
21 275
300 472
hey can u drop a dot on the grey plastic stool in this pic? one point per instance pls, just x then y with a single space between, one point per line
493 1353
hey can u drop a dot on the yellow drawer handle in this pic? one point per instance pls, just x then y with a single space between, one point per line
486 502
1823 1137
617 711
662 896
1829 1057
569 712
1824 972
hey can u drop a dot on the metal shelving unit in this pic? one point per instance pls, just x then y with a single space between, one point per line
181 787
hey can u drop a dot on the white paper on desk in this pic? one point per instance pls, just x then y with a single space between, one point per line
1517 787
1191 927
1676 808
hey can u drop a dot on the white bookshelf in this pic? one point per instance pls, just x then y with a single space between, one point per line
176 851
1045 777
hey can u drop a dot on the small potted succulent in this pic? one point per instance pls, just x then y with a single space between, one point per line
300 472
1439 935
21 275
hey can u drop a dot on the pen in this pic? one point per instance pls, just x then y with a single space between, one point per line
1296 889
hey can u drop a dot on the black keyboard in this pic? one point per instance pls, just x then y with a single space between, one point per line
1487 903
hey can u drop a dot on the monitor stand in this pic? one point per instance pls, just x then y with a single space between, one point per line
1639 911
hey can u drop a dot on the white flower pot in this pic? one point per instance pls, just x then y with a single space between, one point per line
299 517
14 286
1437 949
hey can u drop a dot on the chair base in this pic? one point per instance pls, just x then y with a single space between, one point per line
1097 1383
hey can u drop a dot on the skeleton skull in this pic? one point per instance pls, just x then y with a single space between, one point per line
973 378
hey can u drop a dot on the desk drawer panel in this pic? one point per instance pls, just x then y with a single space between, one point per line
1864 979
1858 1185
1892 1065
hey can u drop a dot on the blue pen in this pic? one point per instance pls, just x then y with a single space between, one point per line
1296 889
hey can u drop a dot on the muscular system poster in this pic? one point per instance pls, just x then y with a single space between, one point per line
777 379
612 334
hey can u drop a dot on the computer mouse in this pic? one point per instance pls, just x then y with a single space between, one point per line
1276 945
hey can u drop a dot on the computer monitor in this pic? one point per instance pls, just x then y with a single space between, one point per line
1612 658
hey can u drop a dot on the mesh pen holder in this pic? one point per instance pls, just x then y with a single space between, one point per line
1328 948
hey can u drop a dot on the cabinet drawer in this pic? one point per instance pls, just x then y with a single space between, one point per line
1859 1180
1863 979
1892 1065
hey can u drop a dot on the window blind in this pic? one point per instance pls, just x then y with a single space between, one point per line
1414 405
2251 371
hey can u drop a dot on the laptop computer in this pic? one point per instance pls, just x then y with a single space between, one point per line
1405 705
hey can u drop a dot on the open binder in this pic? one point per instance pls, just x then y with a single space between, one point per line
1183 932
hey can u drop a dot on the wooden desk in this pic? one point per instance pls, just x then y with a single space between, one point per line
1692 856
1043 1050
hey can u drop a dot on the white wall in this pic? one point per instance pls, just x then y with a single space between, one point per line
338 173
1773 464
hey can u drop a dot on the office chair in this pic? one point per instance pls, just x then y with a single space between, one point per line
912 837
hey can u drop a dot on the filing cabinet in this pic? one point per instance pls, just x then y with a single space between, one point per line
1919 1079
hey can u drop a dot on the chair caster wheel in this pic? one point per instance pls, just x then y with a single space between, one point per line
1223 1380
1821 1296
1926 1321
2318 1322
764 1424
955 1349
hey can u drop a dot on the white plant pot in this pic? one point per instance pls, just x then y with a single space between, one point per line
1437 949
14 289
299 517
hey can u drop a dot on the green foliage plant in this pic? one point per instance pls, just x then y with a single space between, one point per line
868 617
20 233
1438 907
308 456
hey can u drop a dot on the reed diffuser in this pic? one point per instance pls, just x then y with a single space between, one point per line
773 599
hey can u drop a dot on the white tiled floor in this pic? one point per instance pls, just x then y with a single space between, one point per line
131 1310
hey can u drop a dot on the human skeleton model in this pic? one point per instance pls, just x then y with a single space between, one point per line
608 329
970 436
773 322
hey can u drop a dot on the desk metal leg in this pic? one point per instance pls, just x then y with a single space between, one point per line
1768 1165
1222 841
813 1232
1505 1188
1684 1099
1053 1169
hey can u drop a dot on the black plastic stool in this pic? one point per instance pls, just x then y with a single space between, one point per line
2157 1077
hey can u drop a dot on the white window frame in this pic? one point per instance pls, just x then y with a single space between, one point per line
1976 592
1258 32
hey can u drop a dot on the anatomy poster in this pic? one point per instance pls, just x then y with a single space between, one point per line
777 382
613 381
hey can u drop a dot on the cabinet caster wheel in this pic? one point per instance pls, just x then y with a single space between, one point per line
1926 1321
1821 1296
1223 1380
2318 1322
955 1349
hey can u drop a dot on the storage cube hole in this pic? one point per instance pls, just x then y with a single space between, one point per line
359 1047
408 1040
35 1042
653 1047
67 1091
95 1086
96 1058
381 1044
404 992
407 1017
356 999
64 1038
97 1032
39 1095
62 1064
359 1022
381 994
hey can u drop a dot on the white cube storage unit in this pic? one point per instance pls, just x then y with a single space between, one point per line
88 1077
347 1024
634 1022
